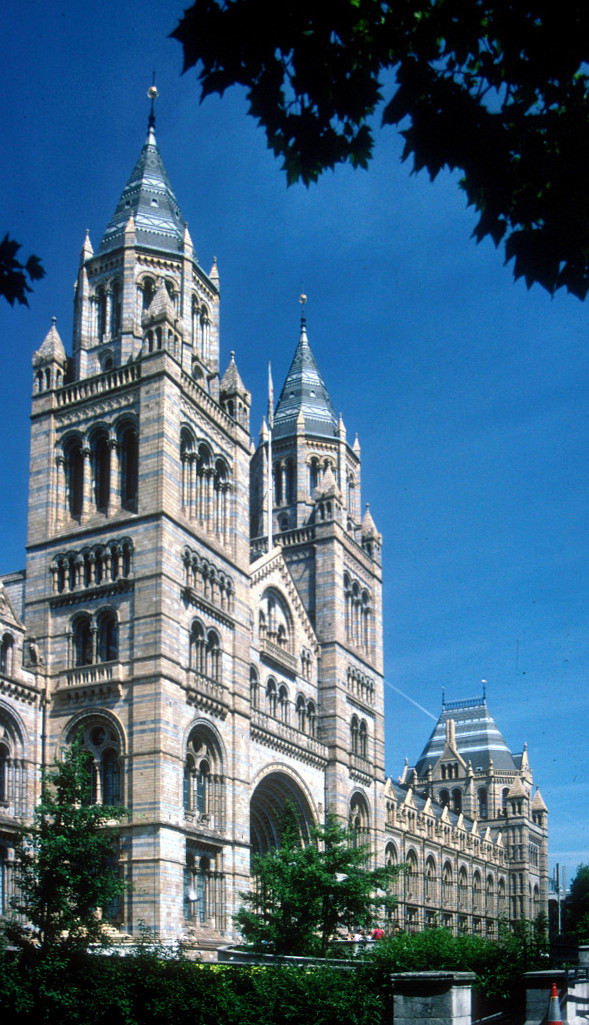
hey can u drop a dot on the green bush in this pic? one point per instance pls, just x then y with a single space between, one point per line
146 989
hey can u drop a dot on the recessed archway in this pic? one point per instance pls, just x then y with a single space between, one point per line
267 806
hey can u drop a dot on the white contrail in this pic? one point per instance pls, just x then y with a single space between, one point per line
406 696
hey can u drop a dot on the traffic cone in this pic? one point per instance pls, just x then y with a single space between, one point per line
554 1016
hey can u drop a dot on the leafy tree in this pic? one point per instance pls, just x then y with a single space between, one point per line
496 89
65 877
304 894
577 915
14 274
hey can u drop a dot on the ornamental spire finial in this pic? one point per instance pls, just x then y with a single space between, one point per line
303 300
152 94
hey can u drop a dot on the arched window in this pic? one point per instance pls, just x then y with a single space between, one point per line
102 325
254 688
204 889
482 802
311 719
82 641
6 654
457 800
447 881
213 656
203 779
101 470
271 696
74 477
477 893
430 879
363 739
128 467
462 887
301 713
221 490
411 877
490 896
359 819
115 310
355 735
108 637
313 476
4 772
275 621
148 293
198 644
202 510
444 798
277 473
102 744
283 703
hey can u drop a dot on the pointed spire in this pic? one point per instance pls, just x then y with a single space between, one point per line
214 275
538 802
231 382
51 348
304 392
149 197
160 305
87 250
368 525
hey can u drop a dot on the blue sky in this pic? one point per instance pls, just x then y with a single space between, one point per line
468 393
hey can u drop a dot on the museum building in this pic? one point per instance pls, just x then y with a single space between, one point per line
207 616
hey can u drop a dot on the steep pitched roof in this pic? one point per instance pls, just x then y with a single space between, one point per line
477 735
149 198
51 348
304 392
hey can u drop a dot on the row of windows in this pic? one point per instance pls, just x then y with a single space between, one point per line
453 800
106 312
206 486
100 472
93 639
209 582
276 702
357 612
100 564
359 737
361 685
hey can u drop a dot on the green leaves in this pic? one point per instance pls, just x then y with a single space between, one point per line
304 894
13 274
497 90
67 872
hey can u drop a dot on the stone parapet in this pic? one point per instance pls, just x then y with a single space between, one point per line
433 998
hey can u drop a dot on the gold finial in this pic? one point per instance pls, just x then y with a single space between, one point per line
152 94
302 299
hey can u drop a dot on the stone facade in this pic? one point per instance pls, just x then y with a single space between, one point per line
216 655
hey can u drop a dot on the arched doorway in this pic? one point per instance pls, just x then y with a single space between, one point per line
267 806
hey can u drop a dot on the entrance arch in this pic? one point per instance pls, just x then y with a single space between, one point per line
267 807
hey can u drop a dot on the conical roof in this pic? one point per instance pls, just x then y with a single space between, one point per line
149 197
304 392
477 737
51 348
231 382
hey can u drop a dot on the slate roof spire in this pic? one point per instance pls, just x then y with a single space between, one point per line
305 393
476 734
149 198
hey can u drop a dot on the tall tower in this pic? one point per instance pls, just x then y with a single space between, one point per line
333 554
137 583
